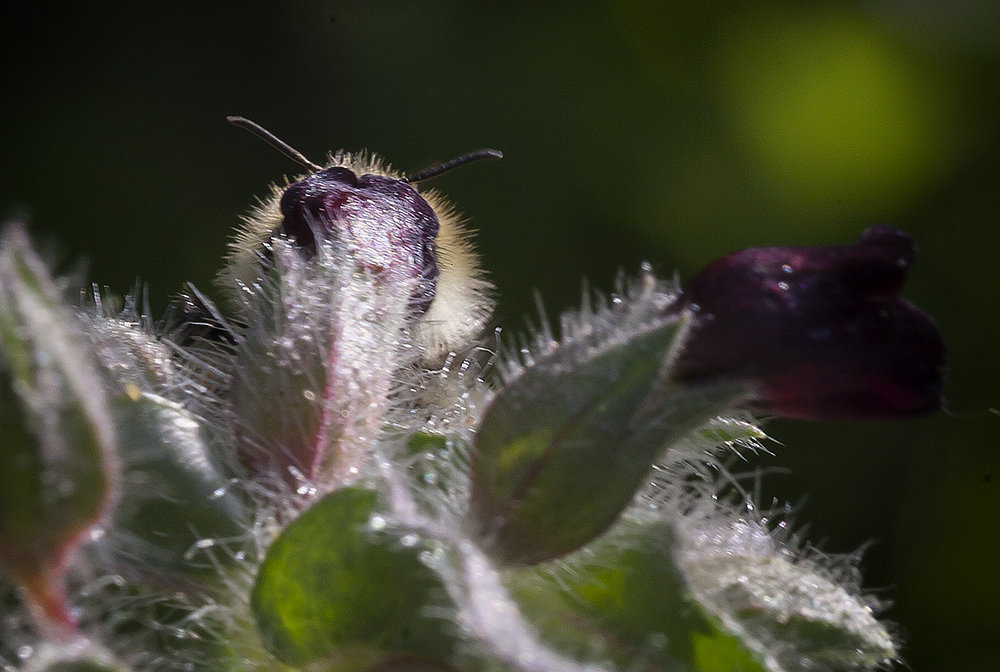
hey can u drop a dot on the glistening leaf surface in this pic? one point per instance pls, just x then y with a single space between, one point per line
624 600
336 583
564 446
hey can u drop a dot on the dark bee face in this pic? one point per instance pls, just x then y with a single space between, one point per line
358 206
363 214
389 226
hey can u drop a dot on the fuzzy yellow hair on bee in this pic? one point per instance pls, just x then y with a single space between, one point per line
360 198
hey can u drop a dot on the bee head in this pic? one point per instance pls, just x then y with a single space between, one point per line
390 228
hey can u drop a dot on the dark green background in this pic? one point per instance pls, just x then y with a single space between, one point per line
632 131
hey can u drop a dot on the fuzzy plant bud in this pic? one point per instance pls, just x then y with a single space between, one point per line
175 498
58 469
819 332
345 277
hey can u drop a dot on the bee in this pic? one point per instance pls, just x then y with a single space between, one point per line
358 200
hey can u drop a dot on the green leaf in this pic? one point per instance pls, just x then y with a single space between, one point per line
57 462
623 599
790 611
720 651
174 498
563 448
339 584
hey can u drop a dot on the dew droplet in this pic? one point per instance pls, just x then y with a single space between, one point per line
197 546
376 523
409 540
25 651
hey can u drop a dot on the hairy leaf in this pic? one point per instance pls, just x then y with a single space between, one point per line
563 448
339 584
57 464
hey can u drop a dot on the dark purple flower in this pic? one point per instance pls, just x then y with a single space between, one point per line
819 332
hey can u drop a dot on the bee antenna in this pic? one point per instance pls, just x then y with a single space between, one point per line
273 140
444 167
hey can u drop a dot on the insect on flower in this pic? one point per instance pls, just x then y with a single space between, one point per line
358 201
365 501
346 281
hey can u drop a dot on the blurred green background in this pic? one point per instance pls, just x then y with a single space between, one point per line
632 131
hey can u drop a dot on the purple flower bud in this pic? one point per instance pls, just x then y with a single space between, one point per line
819 332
